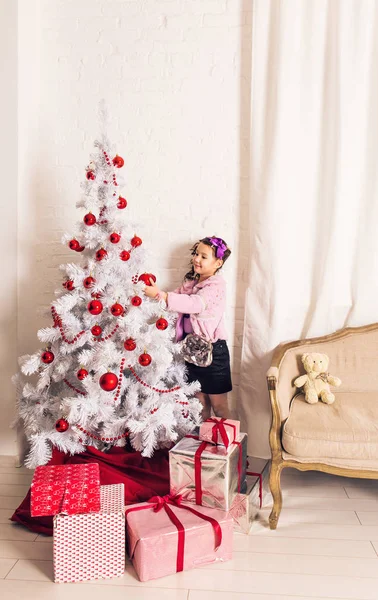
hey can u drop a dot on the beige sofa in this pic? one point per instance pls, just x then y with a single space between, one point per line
341 438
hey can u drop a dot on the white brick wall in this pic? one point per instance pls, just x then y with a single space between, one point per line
176 76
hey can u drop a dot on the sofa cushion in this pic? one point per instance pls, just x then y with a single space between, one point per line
348 428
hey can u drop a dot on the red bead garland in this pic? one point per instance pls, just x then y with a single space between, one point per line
58 322
74 388
120 377
175 389
102 439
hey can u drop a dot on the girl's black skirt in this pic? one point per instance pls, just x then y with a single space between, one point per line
216 378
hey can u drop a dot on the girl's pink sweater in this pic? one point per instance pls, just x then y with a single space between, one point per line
205 302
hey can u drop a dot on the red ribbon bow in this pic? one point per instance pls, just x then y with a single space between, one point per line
157 503
220 427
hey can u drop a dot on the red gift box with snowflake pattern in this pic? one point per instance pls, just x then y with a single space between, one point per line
65 489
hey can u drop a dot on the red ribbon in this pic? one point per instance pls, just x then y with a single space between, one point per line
220 427
159 502
197 467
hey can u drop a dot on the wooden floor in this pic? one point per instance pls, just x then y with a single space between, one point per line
326 546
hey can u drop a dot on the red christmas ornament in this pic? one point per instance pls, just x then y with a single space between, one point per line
62 425
81 249
118 161
91 175
129 344
82 374
69 285
96 330
89 219
100 254
146 278
108 382
114 238
95 307
145 359
74 245
116 310
136 241
88 282
122 202
47 357
162 324
136 300
124 255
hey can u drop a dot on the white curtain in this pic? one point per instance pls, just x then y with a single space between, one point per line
314 183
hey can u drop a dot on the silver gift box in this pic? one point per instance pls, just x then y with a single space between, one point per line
219 472
243 511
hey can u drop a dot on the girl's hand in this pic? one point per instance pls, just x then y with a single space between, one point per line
151 291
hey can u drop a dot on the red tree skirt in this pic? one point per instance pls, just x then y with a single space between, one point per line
142 478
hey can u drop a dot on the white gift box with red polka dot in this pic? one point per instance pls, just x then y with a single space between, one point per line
91 546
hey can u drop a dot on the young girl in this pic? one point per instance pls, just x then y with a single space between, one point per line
200 302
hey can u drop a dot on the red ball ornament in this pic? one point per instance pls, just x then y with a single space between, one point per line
136 241
108 382
118 161
100 254
125 255
62 425
88 282
69 285
91 175
145 277
95 307
129 344
136 300
74 245
114 238
122 202
162 324
82 374
81 249
47 357
145 359
89 219
96 330
116 310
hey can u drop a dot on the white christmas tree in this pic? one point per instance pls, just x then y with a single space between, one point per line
111 370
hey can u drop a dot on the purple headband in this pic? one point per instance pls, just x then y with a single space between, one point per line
220 246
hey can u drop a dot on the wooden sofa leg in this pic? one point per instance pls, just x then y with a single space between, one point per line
275 488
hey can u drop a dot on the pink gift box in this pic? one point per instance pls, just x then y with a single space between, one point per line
69 489
91 546
154 540
219 431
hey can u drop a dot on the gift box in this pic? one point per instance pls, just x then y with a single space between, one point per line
92 545
243 511
208 475
69 489
166 536
219 431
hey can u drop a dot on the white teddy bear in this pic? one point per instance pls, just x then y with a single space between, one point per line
317 379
